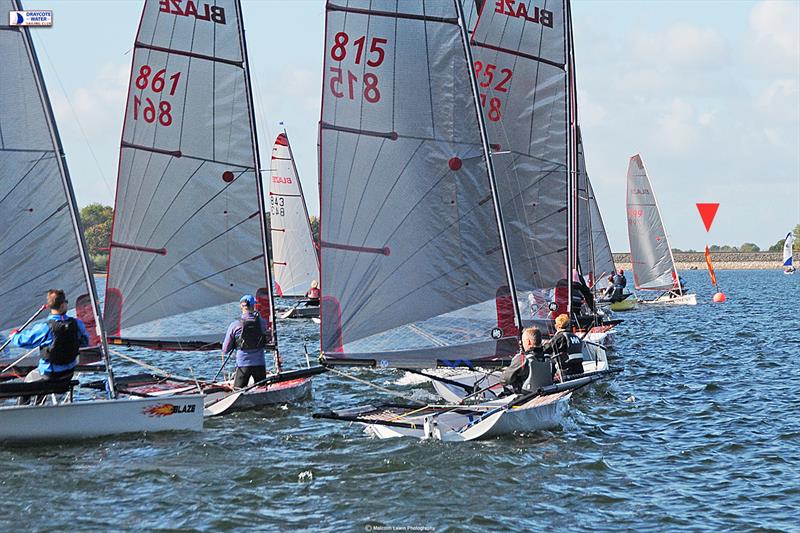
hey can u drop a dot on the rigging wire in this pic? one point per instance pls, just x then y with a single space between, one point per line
41 46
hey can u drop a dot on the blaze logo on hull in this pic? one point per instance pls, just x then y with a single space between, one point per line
167 409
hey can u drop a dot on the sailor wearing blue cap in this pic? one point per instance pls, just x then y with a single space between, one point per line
248 336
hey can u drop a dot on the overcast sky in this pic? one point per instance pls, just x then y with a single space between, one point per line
707 92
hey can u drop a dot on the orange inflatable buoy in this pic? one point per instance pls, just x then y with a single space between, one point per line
719 297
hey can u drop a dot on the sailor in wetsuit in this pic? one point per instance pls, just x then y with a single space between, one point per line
568 348
248 336
518 371
59 340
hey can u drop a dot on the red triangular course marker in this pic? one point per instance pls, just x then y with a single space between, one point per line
707 213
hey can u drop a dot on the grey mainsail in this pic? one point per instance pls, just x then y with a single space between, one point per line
294 256
189 226
39 245
521 63
412 261
651 256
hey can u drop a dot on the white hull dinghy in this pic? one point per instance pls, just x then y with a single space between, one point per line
45 218
99 418
671 298
521 413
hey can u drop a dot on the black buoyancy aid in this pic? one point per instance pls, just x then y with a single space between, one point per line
569 348
66 342
252 336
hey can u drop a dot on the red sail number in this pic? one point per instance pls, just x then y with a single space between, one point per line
344 83
490 74
157 83
339 49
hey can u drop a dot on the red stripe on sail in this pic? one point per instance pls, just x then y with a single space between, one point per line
505 312
281 140
83 308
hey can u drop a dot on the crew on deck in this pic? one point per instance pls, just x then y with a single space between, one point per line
620 282
568 348
59 340
248 336
313 293
518 372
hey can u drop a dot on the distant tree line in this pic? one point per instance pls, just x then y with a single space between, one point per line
752 247
96 220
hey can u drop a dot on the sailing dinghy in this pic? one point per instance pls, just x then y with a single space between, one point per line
546 214
294 255
416 269
41 246
651 256
788 251
189 230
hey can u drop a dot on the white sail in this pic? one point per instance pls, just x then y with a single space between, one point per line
189 228
411 255
651 256
788 245
521 63
39 246
294 256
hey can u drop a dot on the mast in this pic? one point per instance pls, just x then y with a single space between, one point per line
572 158
302 199
473 82
259 184
71 204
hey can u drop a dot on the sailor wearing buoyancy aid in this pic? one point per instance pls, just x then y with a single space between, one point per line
567 346
313 293
530 369
248 336
59 340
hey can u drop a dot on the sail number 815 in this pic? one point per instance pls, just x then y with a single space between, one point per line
343 82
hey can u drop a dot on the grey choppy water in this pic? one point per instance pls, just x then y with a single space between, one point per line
700 432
